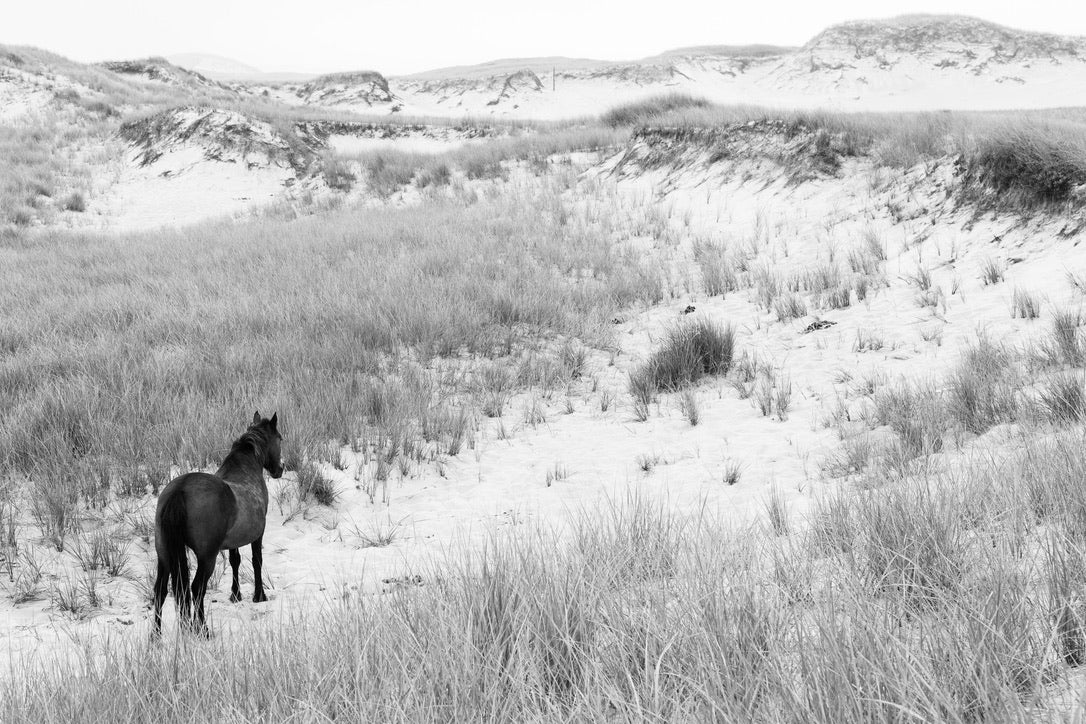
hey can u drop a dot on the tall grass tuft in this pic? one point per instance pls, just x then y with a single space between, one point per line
916 414
690 351
983 389
1025 305
1064 398
1067 346
640 112
314 485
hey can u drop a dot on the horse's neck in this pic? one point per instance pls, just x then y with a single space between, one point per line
241 468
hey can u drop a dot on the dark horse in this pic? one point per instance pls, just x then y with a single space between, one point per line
211 513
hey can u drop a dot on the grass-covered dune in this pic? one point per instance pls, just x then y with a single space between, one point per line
1030 159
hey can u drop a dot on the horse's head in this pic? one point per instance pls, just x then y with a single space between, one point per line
270 427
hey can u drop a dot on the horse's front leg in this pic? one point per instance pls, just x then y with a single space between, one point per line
235 563
258 557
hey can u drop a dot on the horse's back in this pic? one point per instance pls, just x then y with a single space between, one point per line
210 508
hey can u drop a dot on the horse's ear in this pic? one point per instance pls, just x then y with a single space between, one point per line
256 417
275 420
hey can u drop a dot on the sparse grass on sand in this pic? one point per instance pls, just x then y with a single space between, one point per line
388 171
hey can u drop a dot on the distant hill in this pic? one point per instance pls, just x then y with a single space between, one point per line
909 62
222 68
508 66
213 66
927 34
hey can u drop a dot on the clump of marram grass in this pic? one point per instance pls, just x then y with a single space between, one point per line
912 545
1025 305
1077 280
1066 346
782 397
535 413
573 357
992 271
436 176
54 502
841 297
557 473
855 454
379 535
818 278
768 285
867 340
74 201
314 485
777 512
647 462
873 244
983 389
733 472
495 383
102 552
643 391
337 174
690 407
690 350
916 414
763 396
833 526
718 277
789 306
1064 398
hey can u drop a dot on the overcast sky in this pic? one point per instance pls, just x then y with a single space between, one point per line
401 36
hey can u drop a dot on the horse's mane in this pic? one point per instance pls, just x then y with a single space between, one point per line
256 437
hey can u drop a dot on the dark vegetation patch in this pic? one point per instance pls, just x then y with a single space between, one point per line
650 109
1031 167
691 350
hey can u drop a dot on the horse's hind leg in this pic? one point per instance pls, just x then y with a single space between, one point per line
205 567
258 560
235 563
162 585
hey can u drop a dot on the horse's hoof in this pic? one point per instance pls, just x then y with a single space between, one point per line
235 597
259 597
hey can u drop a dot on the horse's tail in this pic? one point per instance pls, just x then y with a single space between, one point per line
172 524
